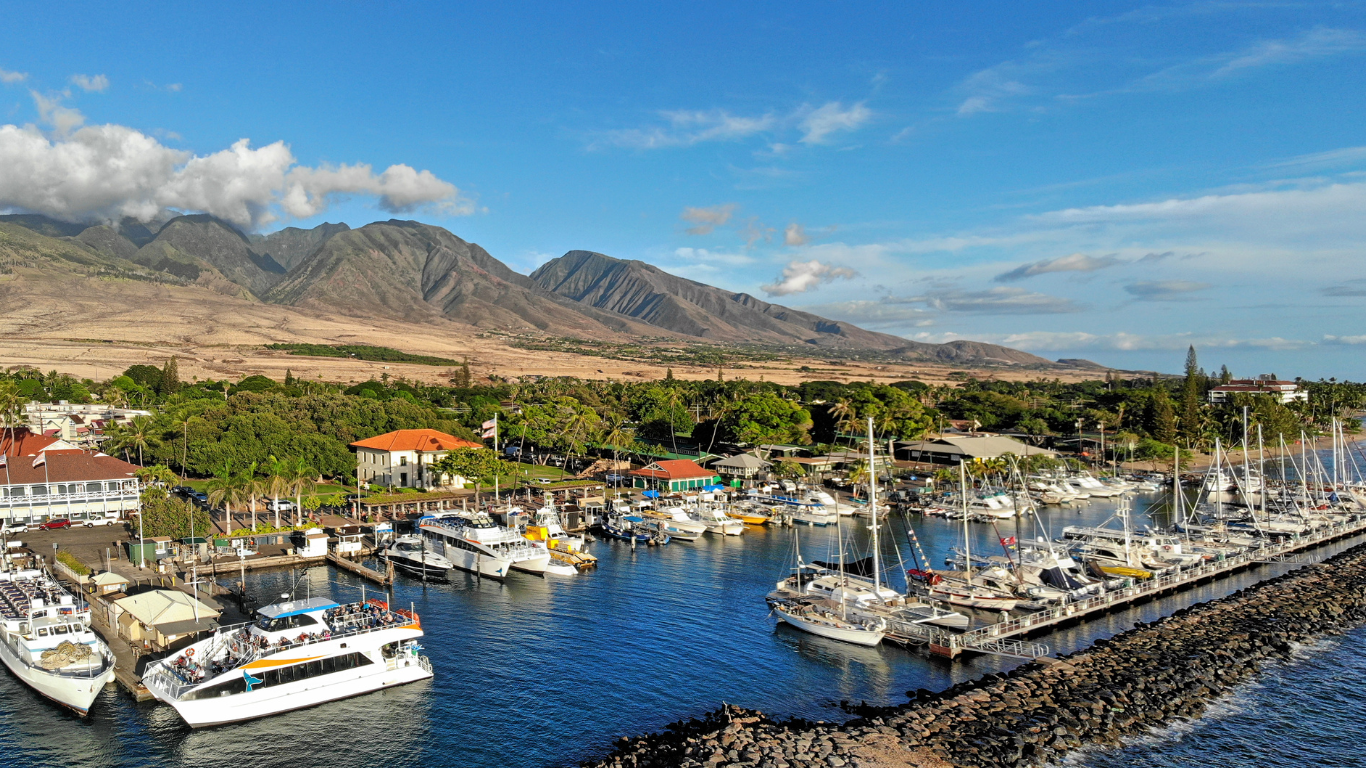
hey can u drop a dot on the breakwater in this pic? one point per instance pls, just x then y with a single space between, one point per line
1151 675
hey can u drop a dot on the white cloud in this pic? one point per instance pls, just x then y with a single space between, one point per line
1315 43
1333 158
706 220
7 77
1076 341
874 314
794 235
1344 340
106 172
694 255
87 83
831 118
688 127
51 112
803 276
1165 290
993 301
1076 262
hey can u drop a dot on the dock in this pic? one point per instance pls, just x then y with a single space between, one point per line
1009 638
382 579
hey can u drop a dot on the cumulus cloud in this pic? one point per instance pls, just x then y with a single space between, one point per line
993 301
107 172
706 220
87 83
1165 290
51 111
794 235
830 118
803 276
8 77
1076 262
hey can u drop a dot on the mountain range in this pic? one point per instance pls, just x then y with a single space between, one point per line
406 270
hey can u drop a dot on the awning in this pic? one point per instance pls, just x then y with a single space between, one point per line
175 628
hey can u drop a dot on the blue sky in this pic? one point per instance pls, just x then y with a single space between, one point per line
1103 180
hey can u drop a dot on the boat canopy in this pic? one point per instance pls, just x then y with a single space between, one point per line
295 607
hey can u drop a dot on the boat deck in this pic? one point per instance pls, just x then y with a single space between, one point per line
1009 638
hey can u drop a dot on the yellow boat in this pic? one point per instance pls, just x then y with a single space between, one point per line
749 518
1124 571
561 550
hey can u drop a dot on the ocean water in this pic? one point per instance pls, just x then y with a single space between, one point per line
547 672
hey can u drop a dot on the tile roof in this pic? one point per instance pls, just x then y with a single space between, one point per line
673 469
65 467
415 440
20 441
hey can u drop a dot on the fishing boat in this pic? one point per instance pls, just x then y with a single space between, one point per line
295 654
472 542
748 514
46 640
565 549
677 523
716 520
411 555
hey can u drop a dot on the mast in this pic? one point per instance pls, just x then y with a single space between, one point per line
872 506
844 582
967 539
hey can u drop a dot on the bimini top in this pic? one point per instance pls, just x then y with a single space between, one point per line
294 607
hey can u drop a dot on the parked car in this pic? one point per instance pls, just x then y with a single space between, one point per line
109 518
183 490
11 528
279 505
55 525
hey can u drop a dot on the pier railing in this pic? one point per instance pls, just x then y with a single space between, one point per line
989 639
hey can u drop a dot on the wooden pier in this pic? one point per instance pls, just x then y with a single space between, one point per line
1007 638
382 579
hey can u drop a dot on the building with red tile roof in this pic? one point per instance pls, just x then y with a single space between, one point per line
43 479
403 458
673 475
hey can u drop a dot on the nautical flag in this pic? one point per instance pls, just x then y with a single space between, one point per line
251 680
40 461
1008 541
490 424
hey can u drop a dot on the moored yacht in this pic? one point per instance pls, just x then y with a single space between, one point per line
296 654
411 555
472 542
46 640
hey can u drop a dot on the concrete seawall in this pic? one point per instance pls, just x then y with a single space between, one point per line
1143 678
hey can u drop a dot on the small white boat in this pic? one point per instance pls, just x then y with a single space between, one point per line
717 521
46 640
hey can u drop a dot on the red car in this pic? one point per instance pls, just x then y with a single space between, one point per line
54 525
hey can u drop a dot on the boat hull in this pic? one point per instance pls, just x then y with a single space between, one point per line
206 713
74 693
853 635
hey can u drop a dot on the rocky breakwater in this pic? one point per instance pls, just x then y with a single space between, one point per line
1146 677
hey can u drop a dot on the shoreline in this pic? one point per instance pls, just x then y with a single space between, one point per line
1201 462
1146 677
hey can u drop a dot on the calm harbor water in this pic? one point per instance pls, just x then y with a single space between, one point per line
546 672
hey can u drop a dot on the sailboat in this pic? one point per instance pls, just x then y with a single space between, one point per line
959 588
830 617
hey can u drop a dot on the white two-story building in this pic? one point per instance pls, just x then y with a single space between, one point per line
42 478
403 459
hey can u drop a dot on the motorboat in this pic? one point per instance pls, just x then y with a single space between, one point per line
472 542
411 555
295 654
677 523
46 640
717 521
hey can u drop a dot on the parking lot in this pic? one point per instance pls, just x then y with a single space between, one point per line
88 544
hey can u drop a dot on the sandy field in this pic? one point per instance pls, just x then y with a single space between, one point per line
96 328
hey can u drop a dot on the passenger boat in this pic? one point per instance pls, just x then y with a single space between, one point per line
472 542
412 556
295 654
46 640
748 515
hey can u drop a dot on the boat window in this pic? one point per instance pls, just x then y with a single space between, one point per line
42 632
60 629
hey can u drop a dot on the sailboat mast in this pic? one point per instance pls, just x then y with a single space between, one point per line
872 506
967 539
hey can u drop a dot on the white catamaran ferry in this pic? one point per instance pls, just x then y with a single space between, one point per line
46 641
472 542
296 654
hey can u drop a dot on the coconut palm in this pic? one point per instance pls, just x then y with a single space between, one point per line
140 434
225 489
302 479
276 483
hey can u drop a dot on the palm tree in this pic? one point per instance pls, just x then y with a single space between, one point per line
843 413
252 489
225 489
276 483
302 479
139 435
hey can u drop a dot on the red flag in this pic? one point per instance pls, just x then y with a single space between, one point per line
1009 541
